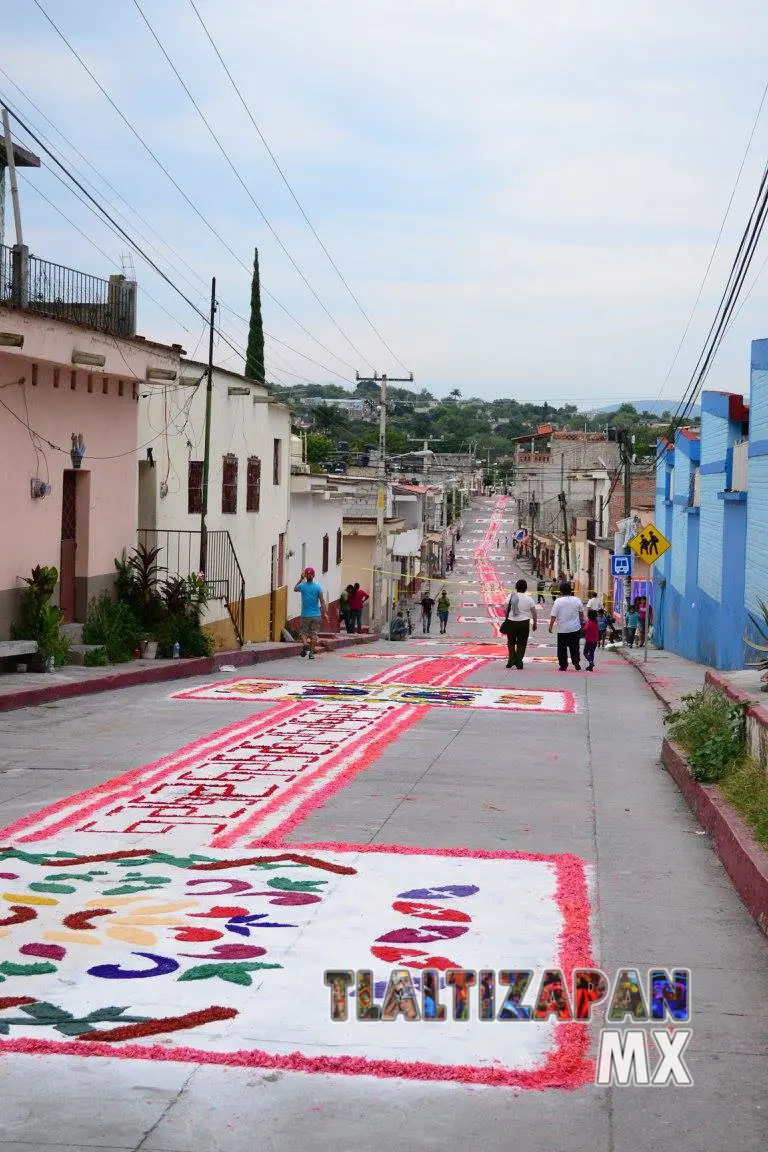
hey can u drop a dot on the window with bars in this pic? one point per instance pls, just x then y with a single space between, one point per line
276 460
195 487
338 545
229 485
253 485
325 552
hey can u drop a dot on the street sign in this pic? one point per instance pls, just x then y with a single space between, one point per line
621 565
649 544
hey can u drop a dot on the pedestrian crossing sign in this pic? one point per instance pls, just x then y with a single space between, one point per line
649 544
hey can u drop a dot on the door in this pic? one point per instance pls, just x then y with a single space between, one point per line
68 546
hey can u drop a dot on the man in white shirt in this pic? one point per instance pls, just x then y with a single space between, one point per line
568 614
521 612
595 602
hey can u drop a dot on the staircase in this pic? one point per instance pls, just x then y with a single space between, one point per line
182 554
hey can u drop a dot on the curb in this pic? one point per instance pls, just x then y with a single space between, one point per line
745 861
667 698
754 710
178 670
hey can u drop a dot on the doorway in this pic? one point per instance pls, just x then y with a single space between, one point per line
67 568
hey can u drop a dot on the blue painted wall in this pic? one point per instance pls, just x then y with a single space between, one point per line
719 553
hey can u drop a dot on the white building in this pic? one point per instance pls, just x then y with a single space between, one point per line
315 534
248 495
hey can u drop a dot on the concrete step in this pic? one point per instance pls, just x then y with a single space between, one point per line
77 652
74 632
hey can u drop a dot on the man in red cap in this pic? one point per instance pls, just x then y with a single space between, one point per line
313 610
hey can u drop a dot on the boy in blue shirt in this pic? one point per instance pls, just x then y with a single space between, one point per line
313 609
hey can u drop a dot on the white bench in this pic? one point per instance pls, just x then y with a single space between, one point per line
15 649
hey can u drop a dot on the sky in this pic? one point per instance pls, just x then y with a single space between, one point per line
523 196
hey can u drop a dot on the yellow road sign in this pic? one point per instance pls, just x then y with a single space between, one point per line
649 545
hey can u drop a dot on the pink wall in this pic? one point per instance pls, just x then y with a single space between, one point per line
30 529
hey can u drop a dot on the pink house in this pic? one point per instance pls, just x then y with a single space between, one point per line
70 378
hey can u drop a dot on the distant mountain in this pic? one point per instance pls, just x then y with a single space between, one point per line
654 406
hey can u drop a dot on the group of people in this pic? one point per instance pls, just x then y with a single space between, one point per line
351 604
399 625
572 619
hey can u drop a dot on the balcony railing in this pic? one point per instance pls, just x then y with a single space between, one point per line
181 554
50 289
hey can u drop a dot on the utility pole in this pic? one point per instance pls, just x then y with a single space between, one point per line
207 449
11 162
625 441
564 509
380 608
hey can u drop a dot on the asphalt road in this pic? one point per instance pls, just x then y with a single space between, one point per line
581 784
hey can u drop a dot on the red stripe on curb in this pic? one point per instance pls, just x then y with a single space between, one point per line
178 670
742 857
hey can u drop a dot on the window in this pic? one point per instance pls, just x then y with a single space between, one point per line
253 485
195 487
229 485
325 552
338 545
276 454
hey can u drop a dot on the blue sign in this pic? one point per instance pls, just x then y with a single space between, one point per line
621 565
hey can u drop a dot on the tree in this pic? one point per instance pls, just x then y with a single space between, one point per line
254 357
319 449
328 419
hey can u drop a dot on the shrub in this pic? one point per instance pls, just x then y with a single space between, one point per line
40 621
192 641
711 729
96 659
114 626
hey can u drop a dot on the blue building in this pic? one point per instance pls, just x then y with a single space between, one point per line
712 504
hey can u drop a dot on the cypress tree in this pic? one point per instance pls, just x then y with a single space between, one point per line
254 360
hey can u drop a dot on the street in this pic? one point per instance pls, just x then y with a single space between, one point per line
224 841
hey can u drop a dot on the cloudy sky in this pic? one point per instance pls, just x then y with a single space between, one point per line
524 196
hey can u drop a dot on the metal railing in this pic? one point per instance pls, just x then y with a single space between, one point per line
182 553
51 289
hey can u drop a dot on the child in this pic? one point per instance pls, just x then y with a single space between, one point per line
591 637
602 625
632 622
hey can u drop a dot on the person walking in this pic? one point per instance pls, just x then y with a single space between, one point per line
357 599
602 625
345 612
313 610
443 608
520 616
632 622
642 613
427 604
591 638
541 587
568 614
595 602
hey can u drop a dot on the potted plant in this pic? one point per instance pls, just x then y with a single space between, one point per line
40 620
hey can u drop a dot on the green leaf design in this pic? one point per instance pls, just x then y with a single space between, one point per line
286 885
232 971
44 886
10 968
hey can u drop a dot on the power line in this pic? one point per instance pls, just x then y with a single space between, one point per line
287 183
717 241
91 241
178 187
243 184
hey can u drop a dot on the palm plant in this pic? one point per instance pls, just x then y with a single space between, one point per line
758 645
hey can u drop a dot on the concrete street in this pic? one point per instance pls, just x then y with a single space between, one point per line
586 782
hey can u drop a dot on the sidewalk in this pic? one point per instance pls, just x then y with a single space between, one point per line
670 677
26 689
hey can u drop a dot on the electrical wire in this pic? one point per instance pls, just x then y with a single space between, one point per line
717 240
180 190
288 185
245 187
